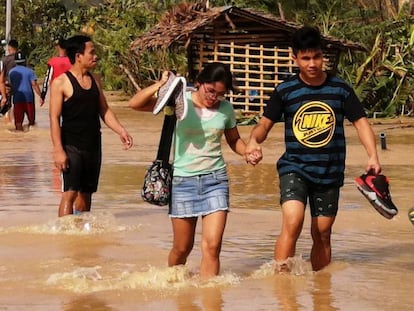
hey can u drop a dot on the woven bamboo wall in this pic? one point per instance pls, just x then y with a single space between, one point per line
256 69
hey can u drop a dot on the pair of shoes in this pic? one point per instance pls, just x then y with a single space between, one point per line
172 93
411 215
376 189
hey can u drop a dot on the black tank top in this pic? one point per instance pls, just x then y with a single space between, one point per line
8 64
81 126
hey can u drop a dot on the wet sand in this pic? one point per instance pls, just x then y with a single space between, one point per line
115 257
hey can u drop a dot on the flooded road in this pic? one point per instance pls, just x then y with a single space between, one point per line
115 258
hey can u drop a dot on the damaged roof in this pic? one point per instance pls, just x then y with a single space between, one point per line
192 21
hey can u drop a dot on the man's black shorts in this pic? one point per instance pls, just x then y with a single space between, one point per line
83 172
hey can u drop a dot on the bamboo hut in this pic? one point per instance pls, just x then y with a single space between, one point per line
255 45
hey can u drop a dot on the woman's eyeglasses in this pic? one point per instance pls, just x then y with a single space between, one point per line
212 94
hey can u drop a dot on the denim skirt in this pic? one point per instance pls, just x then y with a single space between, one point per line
199 195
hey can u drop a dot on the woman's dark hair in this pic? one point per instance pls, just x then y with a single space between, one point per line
305 39
74 45
216 72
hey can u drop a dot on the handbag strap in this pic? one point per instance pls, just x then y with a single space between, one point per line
168 127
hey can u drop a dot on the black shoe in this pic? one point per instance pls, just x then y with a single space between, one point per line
5 108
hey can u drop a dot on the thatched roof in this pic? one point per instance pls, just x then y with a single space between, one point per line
175 26
187 22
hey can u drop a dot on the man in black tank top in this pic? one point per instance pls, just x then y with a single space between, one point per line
77 103
7 63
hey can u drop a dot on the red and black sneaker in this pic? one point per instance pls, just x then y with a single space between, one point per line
376 189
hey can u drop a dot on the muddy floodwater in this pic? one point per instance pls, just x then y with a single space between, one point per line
115 258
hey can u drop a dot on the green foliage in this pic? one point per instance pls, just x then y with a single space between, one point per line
383 77
113 26
389 68
37 24
153 63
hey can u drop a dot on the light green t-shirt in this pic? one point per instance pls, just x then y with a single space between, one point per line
197 147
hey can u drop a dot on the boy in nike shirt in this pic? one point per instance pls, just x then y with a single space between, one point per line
313 104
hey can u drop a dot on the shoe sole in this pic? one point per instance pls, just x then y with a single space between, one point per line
373 199
163 102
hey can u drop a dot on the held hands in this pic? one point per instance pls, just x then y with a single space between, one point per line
253 153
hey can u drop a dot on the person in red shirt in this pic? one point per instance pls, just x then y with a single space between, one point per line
56 66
